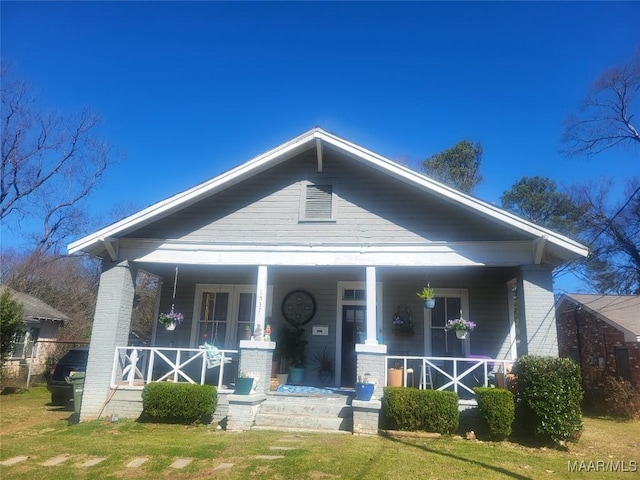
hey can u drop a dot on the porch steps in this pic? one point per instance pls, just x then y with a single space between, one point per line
306 413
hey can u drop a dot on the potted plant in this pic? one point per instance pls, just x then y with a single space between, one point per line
325 366
428 296
171 319
244 384
394 375
291 348
461 326
364 387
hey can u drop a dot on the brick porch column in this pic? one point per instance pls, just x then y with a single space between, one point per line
256 357
111 325
371 359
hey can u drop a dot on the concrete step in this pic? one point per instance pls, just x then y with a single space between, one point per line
303 422
316 409
291 412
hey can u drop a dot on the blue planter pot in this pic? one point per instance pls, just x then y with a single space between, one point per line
296 375
364 391
243 385
430 303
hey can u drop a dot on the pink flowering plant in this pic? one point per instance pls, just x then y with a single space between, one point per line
171 317
460 324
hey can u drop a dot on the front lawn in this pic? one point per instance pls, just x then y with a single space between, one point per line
30 427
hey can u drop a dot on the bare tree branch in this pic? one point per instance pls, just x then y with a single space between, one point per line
606 117
50 163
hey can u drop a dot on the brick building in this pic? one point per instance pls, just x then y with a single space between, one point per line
602 334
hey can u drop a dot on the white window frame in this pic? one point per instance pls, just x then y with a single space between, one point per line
234 291
463 295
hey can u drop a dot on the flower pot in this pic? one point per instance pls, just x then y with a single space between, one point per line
170 325
430 303
325 377
394 377
296 375
244 385
462 334
282 378
364 391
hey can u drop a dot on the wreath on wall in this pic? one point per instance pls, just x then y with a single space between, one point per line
402 322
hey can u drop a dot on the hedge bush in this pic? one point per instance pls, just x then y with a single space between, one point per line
496 408
412 410
548 398
184 403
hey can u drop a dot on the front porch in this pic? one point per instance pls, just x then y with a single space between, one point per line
298 408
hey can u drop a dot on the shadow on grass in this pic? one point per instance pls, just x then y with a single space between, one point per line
452 456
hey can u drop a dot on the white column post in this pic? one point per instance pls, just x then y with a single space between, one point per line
261 300
372 306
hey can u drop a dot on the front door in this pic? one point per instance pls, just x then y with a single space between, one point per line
353 331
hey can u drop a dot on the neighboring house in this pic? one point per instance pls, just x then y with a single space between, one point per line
359 234
602 334
40 327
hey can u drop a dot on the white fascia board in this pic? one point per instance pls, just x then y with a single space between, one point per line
188 197
472 203
436 254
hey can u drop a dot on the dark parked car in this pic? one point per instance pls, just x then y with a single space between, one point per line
75 360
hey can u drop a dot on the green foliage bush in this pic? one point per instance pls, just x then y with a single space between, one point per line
548 398
496 407
621 399
420 410
185 403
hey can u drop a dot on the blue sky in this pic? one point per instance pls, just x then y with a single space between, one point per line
188 90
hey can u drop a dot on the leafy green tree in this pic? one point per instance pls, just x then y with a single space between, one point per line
458 166
10 321
538 200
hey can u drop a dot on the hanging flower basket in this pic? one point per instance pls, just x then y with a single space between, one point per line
461 326
171 320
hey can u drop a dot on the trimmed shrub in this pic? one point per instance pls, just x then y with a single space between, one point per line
548 398
412 410
497 411
621 399
184 403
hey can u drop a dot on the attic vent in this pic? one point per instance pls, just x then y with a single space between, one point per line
318 202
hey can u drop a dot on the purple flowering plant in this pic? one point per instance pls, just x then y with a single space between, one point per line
460 324
171 317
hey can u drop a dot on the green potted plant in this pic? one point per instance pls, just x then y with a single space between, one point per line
428 296
324 363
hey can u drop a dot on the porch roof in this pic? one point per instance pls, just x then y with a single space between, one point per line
560 246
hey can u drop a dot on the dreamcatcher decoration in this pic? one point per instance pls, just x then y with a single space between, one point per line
402 322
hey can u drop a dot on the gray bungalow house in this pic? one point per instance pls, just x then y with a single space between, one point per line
324 232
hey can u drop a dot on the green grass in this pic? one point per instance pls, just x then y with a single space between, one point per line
28 426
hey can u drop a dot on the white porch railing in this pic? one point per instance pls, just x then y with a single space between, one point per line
134 367
449 373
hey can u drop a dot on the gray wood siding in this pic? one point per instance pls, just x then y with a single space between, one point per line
488 303
371 208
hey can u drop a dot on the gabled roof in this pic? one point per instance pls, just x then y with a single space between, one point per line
561 246
620 311
35 309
